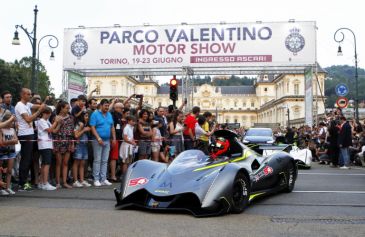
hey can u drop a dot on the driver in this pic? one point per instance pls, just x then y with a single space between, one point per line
219 148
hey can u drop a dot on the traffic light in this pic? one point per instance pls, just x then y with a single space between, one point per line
173 89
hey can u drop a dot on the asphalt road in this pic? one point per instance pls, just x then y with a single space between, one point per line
325 202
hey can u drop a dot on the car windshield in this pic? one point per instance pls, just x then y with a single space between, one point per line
259 132
188 160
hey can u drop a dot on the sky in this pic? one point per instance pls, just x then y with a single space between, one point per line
54 16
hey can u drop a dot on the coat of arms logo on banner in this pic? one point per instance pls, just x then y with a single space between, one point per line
79 46
294 42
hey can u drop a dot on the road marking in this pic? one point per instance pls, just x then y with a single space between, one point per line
348 192
358 168
334 174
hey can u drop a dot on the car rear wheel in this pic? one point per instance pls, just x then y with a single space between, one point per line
290 178
240 193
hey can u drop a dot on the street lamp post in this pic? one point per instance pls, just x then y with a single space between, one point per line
288 113
351 104
340 39
32 36
33 42
52 46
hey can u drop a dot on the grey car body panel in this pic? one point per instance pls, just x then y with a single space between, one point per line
210 182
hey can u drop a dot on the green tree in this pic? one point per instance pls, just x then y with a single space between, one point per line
10 79
343 74
14 76
44 85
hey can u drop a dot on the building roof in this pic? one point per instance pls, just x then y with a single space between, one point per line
272 77
320 69
230 90
225 90
266 78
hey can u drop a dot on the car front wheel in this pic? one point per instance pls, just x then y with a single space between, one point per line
240 193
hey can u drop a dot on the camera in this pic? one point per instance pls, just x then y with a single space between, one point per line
138 96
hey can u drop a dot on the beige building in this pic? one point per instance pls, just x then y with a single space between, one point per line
286 91
264 102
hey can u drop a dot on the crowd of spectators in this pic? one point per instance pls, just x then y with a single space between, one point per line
87 142
336 141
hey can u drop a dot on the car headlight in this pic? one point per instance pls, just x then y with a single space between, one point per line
270 142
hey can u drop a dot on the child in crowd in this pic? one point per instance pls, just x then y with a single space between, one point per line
82 129
63 145
145 134
8 139
127 148
176 134
157 150
45 146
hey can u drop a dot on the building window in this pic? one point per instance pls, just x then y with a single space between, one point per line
227 120
265 89
114 87
296 89
252 104
297 112
235 104
244 104
287 87
159 104
98 87
236 120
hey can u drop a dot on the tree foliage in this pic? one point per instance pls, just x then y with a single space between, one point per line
11 78
343 74
14 76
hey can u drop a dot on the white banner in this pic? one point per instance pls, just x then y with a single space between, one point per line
308 98
76 85
272 44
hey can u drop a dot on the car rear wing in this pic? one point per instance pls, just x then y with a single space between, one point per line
281 147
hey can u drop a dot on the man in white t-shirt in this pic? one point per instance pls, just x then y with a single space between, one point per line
25 120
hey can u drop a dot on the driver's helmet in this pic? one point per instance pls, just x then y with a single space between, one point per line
220 147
